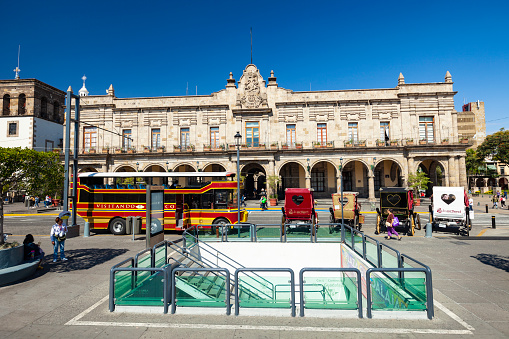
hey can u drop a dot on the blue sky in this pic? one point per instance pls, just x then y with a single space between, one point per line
156 48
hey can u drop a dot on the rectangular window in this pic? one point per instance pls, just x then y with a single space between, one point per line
321 134
318 181
502 171
89 138
214 137
290 135
385 134
184 138
48 145
13 129
126 139
426 129
156 138
252 134
352 132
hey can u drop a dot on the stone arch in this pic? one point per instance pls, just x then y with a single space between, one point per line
255 179
184 167
323 178
503 183
22 103
125 181
387 172
185 181
355 177
480 182
125 168
6 107
492 182
214 167
293 174
87 169
156 168
436 171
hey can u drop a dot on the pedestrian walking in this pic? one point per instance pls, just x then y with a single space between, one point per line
495 201
58 235
470 203
391 222
243 200
37 201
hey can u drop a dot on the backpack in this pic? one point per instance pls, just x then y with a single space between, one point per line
395 222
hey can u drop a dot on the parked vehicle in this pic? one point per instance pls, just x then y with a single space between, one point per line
299 210
401 201
450 212
351 211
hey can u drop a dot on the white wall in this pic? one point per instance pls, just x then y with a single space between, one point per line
47 130
24 138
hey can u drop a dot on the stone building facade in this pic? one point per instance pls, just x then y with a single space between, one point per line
376 136
472 123
32 114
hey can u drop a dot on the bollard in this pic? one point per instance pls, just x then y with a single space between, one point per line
429 230
86 232
478 203
493 222
486 208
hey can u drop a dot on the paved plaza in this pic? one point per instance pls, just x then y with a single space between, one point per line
470 280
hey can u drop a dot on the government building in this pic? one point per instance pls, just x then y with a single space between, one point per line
377 137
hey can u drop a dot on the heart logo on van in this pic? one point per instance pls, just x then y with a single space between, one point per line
297 199
393 199
448 198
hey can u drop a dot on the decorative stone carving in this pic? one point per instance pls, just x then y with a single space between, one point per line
126 123
155 122
252 97
185 122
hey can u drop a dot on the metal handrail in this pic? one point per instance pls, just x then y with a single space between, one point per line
137 269
320 269
159 244
292 282
429 287
140 253
282 235
173 285
210 263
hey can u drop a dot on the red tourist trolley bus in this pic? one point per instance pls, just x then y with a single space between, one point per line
106 199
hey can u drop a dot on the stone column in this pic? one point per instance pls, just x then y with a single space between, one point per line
452 172
338 183
410 164
371 186
463 180
308 181
457 171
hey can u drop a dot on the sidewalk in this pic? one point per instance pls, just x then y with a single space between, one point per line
19 208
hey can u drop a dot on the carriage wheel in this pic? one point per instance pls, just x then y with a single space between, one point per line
411 228
417 221
378 220
283 226
469 224
313 225
331 221
356 223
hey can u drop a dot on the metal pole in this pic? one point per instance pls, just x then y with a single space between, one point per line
67 149
341 175
492 222
238 189
75 159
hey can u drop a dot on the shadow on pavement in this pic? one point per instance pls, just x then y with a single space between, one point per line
494 260
81 259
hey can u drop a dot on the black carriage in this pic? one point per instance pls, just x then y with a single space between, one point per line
401 201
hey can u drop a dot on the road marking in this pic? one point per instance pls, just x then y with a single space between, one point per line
482 232
77 322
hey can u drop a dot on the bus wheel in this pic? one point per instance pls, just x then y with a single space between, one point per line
219 223
117 226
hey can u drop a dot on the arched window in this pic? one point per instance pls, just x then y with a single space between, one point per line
56 111
7 105
44 108
22 103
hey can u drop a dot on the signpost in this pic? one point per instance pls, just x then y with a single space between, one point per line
155 215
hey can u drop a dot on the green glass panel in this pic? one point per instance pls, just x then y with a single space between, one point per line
264 292
398 294
145 260
328 233
146 291
389 260
348 237
371 253
330 293
160 257
201 290
298 232
268 233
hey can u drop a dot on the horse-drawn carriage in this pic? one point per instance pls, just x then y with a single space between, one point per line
401 201
350 214
299 210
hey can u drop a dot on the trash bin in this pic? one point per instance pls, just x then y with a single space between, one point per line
137 225
128 225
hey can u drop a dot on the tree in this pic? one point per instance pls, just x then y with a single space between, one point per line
418 181
473 163
29 170
496 146
272 181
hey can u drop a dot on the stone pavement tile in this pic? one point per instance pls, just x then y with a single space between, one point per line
446 284
19 318
78 331
122 332
164 333
36 331
487 311
501 326
262 334
465 297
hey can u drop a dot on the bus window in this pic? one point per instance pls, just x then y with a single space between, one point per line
169 198
221 199
207 200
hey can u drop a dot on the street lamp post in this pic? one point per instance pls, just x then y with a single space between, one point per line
341 178
238 138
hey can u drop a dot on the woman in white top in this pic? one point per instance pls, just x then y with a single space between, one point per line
57 235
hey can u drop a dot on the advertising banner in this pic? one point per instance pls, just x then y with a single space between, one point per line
449 202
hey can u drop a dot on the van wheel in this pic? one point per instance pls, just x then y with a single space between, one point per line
117 226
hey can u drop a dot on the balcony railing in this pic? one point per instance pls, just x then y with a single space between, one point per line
326 144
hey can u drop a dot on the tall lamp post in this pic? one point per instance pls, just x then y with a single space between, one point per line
341 178
238 138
